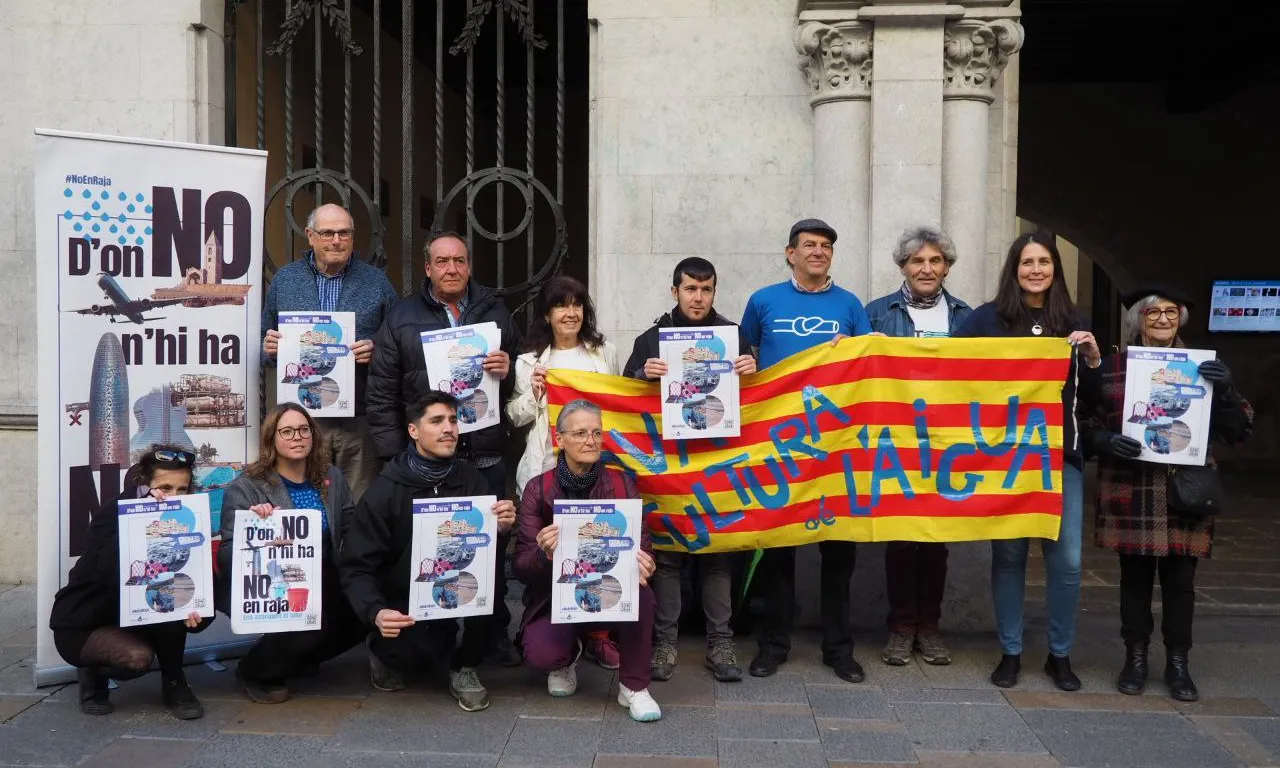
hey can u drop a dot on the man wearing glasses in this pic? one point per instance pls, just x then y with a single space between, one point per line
328 279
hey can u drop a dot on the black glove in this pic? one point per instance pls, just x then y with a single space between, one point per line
1113 444
1216 372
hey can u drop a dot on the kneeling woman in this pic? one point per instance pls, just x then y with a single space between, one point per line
292 472
86 612
554 648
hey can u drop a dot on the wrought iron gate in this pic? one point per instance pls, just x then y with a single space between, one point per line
493 56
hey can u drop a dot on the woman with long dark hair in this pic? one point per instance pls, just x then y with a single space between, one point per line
1033 300
563 335
86 612
293 471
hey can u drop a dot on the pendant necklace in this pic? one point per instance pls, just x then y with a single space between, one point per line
1036 328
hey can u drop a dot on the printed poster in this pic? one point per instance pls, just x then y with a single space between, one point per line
700 390
452 558
1167 403
315 365
455 364
166 559
595 571
276 582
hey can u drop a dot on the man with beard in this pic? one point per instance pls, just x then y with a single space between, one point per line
376 553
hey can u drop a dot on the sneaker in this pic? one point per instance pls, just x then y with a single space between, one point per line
640 704
602 650
94 693
564 681
262 691
465 686
178 698
722 660
382 676
503 651
663 663
897 652
932 649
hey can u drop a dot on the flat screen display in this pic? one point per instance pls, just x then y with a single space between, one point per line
1245 306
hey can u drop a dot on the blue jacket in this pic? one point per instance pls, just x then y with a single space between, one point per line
889 314
366 291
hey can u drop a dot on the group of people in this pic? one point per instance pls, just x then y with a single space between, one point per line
363 474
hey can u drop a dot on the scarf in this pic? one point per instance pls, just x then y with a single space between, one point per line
429 470
575 486
916 301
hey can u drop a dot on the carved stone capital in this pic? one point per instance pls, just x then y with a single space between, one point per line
975 52
836 60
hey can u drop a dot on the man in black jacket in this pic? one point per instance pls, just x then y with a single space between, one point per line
375 565
693 286
398 376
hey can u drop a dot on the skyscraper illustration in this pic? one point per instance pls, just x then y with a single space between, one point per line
108 405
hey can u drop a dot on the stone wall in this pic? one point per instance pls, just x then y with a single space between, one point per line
126 67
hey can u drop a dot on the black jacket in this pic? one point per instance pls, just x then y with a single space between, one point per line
374 563
646 345
91 598
398 371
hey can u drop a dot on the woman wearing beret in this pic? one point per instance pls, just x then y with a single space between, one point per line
1135 516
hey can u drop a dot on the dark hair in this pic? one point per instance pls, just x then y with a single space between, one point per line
442 234
317 461
1059 311
142 472
561 291
414 411
696 267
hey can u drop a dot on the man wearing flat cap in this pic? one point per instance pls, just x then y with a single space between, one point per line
801 312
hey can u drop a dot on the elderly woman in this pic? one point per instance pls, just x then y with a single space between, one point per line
293 471
563 335
1033 300
579 474
86 612
1135 516
916 572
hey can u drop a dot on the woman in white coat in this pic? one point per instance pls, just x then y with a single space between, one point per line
563 335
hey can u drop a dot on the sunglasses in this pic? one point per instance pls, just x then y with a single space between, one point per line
185 458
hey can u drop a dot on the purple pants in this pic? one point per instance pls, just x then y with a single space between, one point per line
916 576
548 646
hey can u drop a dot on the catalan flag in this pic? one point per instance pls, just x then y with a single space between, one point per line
873 439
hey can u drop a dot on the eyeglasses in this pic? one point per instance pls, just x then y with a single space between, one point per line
289 433
328 234
582 435
185 458
1154 313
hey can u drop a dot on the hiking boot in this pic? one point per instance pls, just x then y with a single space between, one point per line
179 700
897 652
465 686
601 649
382 676
262 691
722 660
932 649
639 704
94 693
663 663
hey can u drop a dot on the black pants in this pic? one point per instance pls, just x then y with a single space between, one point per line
776 574
1177 590
280 655
481 630
422 645
124 654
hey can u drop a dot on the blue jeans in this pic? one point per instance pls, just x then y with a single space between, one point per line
1062 575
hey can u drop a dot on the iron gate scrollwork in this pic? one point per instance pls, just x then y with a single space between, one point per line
513 220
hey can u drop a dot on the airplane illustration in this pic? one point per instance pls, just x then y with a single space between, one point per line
133 310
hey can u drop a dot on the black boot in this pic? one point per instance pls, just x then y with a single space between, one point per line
1133 676
179 699
1058 668
1006 672
1177 675
93 692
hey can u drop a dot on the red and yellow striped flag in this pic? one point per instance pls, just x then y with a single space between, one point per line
874 439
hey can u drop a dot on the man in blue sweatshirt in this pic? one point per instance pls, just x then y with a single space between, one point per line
328 279
801 312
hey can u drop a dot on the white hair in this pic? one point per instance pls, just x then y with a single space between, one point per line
574 406
1135 315
916 238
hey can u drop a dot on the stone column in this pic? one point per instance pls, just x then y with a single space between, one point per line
836 59
975 52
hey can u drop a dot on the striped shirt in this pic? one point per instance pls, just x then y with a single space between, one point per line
328 288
